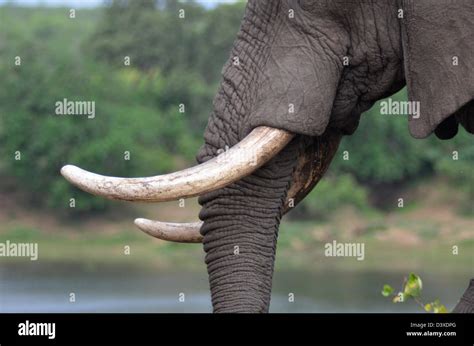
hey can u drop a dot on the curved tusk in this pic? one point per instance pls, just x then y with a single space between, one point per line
241 160
176 232
307 174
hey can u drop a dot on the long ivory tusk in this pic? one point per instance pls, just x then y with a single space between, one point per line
239 161
307 173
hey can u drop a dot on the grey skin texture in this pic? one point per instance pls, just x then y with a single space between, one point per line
279 64
466 303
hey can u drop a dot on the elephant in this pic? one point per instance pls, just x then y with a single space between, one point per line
298 78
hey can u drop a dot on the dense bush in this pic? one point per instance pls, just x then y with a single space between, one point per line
382 153
331 194
382 149
130 119
455 160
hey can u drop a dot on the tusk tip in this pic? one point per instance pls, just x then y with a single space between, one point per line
69 171
176 232
140 222
145 225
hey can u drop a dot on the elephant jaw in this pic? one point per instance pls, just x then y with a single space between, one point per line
313 161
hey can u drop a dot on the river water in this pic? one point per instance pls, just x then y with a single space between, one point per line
31 287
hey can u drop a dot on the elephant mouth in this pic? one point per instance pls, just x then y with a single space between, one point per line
260 146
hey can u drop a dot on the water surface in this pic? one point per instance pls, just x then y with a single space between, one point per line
30 287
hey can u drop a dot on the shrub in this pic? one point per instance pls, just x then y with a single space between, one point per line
331 194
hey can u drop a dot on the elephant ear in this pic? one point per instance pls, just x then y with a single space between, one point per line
438 46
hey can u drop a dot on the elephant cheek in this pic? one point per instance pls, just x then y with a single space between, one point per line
240 232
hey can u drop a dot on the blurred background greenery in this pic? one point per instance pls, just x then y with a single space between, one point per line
173 62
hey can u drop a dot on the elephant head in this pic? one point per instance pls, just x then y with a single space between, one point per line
299 76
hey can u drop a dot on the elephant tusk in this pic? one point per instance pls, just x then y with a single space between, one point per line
252 152
176 232
186 232
307 174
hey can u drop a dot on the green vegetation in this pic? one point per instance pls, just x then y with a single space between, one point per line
412 287
300 247
385 159
173 62
137 106
338 191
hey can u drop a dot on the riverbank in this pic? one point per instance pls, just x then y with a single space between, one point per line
431 235
301 245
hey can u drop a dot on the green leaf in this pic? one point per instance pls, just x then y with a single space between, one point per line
387 290
413 286
428 307
399 298
439 308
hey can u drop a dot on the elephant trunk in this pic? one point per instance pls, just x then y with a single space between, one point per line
264 84
241 220
240 232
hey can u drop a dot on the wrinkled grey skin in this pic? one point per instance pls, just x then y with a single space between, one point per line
466 303
299 61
